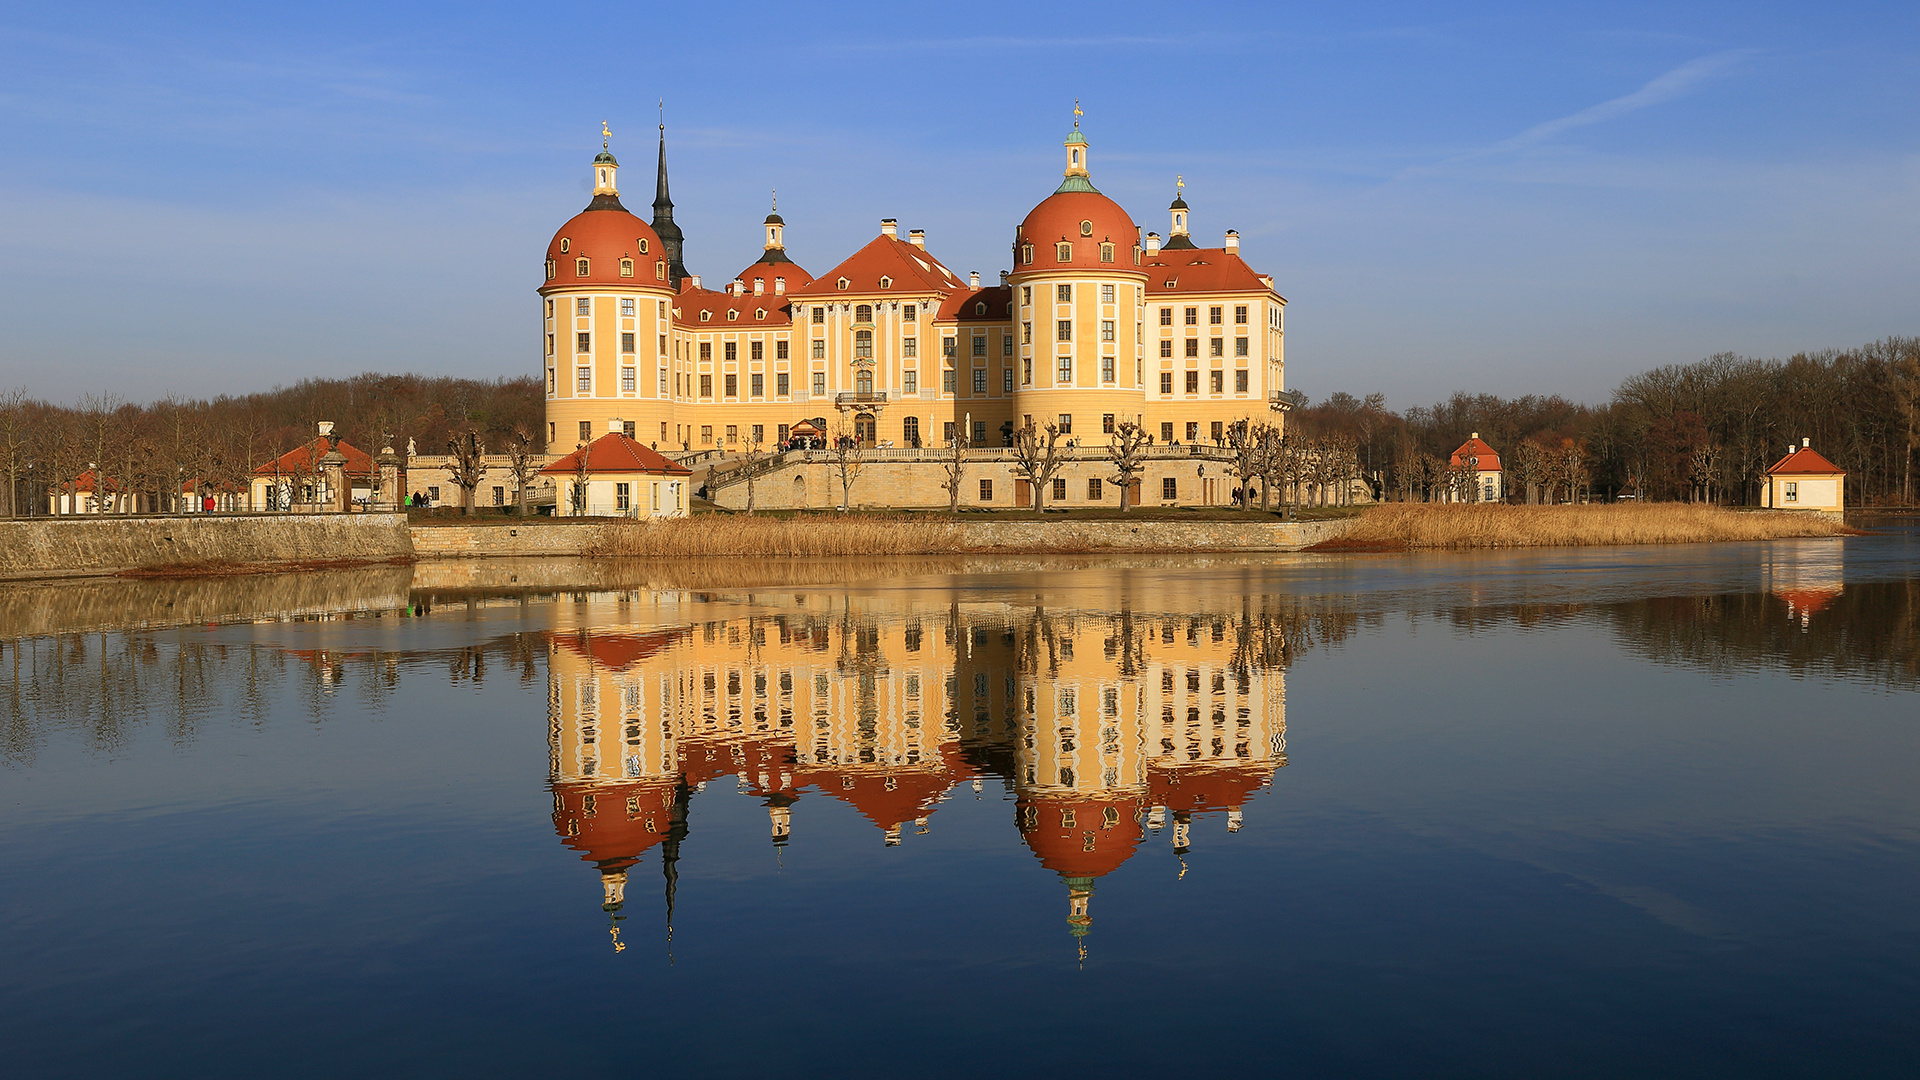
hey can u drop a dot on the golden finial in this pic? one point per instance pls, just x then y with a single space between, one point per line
776 200
606 135
1077 114
1179 183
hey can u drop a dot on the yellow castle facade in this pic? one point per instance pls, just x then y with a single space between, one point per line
1095 325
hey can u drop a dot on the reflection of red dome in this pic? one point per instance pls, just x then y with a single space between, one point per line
604 237
615 652
612 825
1080 836
703 759
1059 217
1808 601
1201 788
894 796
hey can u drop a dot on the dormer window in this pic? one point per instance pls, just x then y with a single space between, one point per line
1086 228
886 283
1106 253
760 313
550 270
843 283
660 270
1063 252
706 316
863 313
626 267
732 315
564 245
1026 254
642 243
580 268
980 309
1136 254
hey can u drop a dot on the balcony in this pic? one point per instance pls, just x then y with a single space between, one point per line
1280 400
870 397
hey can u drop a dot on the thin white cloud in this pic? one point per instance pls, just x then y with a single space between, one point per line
1664 88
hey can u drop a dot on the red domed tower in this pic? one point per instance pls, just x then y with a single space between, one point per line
606 311
1079 291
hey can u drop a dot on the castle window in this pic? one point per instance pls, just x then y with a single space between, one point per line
1240 314
1240 382
886 282
1026 333
1239 346
782 386
948 381
1106 428
706 350
1063 252
909 346
820 351
583 342
583 380
706 316
626 343
756 386
1193 385
980 380
1086 228
910 381
550 270
1193 316
564 245
1217 381
863 313
626 267
732 315
549 344
949 348
843 283
979 345
986 491
1106 294
1213 315
1063 330
1106 370
819 315
780 350
582 307
663 344
759 313
1063 371
819 382
1169 487
910 313
757 350
627 380
1006 344
732 383
1063 293
626 307
1166 385
732 351
979 309
580 268
1066 428
1166 316
1006 380
1166 348
1026 254
659 270
1106 329
1106 253
863 344
1136 255
1217 347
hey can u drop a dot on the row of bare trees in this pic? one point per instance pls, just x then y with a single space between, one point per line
149 458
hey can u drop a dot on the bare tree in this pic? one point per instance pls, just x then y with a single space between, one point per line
15 442
849 457
578 499
752 453
954 463
523 461
1037 456
467 465
1529 467
1127 453
1243 437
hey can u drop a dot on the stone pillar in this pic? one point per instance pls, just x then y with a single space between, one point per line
333 466
391 471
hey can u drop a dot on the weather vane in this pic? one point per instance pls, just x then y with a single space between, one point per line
663 114
1179 183
606 135
1077 114
776 200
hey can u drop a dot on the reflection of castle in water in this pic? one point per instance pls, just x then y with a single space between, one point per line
1105 725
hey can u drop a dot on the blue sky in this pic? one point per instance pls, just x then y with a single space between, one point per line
1510 198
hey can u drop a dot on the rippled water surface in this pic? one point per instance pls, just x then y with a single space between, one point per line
1592 813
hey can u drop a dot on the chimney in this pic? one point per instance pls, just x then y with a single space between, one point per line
613 425
759 286
779 286
1233 241
1153 243
1006 277
326 427
973 278
1476 434
1805 443
695 278
917 237
889 227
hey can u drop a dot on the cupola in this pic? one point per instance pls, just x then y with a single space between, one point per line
1177 237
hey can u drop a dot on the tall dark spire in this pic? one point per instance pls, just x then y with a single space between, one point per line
663 226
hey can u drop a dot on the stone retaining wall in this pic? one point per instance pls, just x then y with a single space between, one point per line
86 545
1166 536
495 541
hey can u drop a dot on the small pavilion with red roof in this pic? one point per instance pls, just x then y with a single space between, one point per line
1805 480
616 475
304 477
1476 457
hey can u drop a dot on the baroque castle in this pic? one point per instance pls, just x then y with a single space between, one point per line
1096 324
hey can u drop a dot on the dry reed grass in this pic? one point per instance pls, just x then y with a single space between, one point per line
1399 526
710 535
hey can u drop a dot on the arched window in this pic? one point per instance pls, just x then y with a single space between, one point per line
980 309
863 313
1026 254
863 380
843 283
1063 252
863 345
886 283
580 267
550 270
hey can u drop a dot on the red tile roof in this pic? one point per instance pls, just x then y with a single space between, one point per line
750 310
1085 219
911 268
604 237
765 271
306 459
1201 270
616 453
1805 461
964 306
625 819
1474 447
1090 847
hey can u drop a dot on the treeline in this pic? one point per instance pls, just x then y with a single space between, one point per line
1706 431
137 457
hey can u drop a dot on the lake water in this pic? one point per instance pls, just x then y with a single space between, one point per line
1570 813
